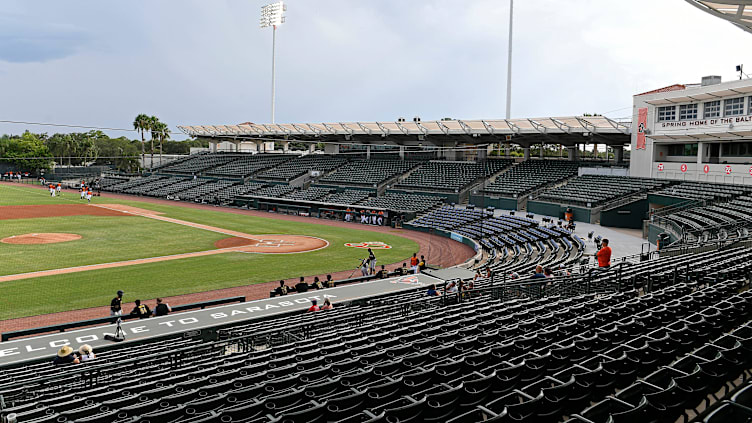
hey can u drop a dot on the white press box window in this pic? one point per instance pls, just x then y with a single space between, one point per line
711 109
733 106
688 111
666 113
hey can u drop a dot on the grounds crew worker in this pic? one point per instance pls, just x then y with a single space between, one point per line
115 305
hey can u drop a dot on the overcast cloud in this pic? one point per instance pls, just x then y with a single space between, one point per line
207 62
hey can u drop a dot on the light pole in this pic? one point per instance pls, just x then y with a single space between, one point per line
509 62
272 16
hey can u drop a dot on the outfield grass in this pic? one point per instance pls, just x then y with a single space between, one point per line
49 294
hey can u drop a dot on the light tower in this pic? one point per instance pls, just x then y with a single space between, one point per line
272 15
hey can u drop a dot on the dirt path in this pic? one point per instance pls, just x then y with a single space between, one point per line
439 251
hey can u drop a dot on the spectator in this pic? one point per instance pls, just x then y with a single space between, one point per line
563 270
65 356
314 306
382 274
85 353
514 275
488 272
547 273
538 274
141 310
162 308
329 282
317 283
477 275
414 262
432 292
451 287
327 305
116 305
301 286
422 263
604 254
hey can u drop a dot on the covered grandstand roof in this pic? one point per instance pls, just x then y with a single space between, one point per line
561 130
738 12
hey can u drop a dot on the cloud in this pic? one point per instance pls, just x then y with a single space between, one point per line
24 39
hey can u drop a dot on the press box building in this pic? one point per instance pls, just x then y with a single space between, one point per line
694 132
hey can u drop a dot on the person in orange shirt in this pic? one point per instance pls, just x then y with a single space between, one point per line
414 262
88 195
604 254
59 188
52 190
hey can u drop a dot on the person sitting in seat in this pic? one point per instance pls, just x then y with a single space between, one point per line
314 306
327 305
432 292
86 353
477 275
141 310
301 286
317 284
538 274
282 289
162 308
451 287
404 270
329 282
65 356
382 274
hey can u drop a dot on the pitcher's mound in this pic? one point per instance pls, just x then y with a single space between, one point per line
274 244
40 238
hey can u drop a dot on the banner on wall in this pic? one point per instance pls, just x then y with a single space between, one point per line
642 121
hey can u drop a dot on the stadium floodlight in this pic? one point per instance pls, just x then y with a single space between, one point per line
509 62
272 15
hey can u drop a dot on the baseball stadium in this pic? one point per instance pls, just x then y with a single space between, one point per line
569 268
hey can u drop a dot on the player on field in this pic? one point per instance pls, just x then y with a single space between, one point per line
59 188
88 195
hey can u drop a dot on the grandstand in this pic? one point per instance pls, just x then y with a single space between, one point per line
300 166
368 173
596 190
529 176
450 176
532 351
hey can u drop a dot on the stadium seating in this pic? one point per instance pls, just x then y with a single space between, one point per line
308 194
514 243
529 176
595 358
450 176
368 172
595 190
301 165
246 165
704 191
226 195
346 197
403 202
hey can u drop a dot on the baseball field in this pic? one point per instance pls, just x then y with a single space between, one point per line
62 253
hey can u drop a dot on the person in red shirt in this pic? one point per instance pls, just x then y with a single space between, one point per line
604 254
314 306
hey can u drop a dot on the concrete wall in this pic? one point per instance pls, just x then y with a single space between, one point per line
629 215
499 203
556 210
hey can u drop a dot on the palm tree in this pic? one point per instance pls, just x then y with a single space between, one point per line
153 123
141 124
163 133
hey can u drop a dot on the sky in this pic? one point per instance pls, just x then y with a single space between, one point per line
189 62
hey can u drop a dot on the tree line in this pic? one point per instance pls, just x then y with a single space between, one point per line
34 151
